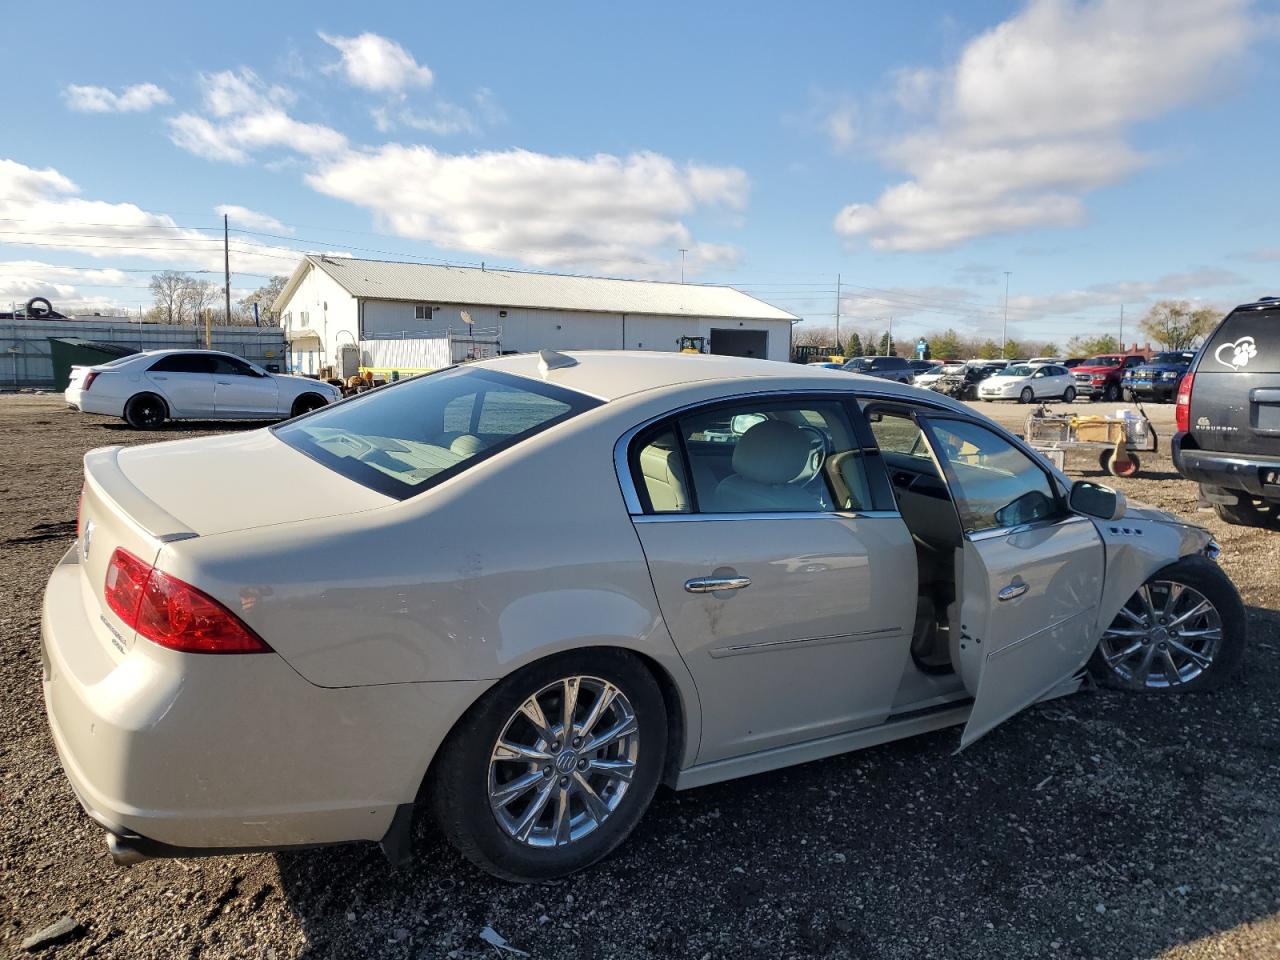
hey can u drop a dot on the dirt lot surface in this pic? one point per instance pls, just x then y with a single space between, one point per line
1102 825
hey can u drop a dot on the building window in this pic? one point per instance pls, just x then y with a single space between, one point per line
304 317
422 312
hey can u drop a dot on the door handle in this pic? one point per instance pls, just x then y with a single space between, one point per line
1013 591
224 383
712 584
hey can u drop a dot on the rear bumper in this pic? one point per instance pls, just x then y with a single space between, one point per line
218 753
1230 471
89 402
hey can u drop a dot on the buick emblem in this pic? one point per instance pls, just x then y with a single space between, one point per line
86 541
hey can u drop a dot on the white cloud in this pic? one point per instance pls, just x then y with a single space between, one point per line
1034 113
617 214
249 116
229 93
42 209
842 126
374 62
135 99
244 217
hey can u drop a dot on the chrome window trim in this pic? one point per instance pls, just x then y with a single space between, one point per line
992 533
798 515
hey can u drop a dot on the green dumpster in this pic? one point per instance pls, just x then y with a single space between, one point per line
68 352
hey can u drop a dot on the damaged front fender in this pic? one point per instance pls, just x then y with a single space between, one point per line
1141 542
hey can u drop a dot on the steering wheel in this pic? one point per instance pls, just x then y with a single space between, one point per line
819 448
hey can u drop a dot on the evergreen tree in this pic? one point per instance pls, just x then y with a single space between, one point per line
854 348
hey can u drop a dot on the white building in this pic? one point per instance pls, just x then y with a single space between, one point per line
332 302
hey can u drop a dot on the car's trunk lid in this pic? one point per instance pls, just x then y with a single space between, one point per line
212 485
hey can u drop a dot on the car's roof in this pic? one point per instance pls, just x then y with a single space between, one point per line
610 374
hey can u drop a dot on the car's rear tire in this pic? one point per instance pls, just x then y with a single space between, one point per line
1245 512
1069 395
145 411
1143 648
502 765
1027 396
306 403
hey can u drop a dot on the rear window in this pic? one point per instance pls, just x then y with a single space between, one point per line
407 437
1248 341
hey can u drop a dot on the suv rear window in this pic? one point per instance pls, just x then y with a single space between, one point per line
1247 341
409 436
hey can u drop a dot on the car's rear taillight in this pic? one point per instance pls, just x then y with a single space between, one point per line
88 379
1182 412
172 613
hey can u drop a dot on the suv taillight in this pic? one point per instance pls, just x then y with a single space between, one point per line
88 379
1182 412
174 614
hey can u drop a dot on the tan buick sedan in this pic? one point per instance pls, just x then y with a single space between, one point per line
519 595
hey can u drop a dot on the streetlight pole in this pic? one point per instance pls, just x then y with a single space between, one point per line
1004 336
683 251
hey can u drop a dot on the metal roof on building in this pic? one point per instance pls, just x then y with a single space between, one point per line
430 283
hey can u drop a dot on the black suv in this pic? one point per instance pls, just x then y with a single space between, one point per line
1228 416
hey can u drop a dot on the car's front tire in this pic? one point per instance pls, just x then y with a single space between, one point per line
553 767
1027 396
306 403
145 411
1112 393
1183 630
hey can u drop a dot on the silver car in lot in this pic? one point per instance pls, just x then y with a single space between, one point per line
519 595
146 389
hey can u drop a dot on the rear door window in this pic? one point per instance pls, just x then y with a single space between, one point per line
183 363
404 438
1248 341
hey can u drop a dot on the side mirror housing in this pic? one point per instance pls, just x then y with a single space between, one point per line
1095 500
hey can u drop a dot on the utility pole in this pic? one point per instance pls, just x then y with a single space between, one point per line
839 348
890 352
1004 336
683 251
1122 328
226 265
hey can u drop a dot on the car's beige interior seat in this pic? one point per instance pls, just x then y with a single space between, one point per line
766 461
664 479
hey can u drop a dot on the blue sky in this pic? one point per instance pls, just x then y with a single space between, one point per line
1103 152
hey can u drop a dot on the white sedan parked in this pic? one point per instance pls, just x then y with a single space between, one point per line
520 594
146 389
1028 382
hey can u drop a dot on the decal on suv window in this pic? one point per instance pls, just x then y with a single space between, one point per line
1237 354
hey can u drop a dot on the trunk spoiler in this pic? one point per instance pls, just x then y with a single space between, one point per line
102 469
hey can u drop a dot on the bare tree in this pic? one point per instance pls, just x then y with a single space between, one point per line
812 336
265 297
199 296
1177 326
169 290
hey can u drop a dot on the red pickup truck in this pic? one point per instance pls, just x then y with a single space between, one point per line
1098 378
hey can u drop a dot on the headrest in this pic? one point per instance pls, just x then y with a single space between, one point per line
467 445
771 452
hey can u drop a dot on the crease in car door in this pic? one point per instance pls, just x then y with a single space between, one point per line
795 626
1030 575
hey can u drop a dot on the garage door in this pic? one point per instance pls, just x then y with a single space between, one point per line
741 343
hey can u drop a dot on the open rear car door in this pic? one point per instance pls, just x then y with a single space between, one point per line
1029 575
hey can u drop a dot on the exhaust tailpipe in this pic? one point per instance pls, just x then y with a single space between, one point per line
123 852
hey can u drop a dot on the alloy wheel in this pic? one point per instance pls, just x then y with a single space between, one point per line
563 762
1166 634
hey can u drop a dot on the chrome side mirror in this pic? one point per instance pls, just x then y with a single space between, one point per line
1095 500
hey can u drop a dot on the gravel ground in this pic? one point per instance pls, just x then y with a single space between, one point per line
1102 825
